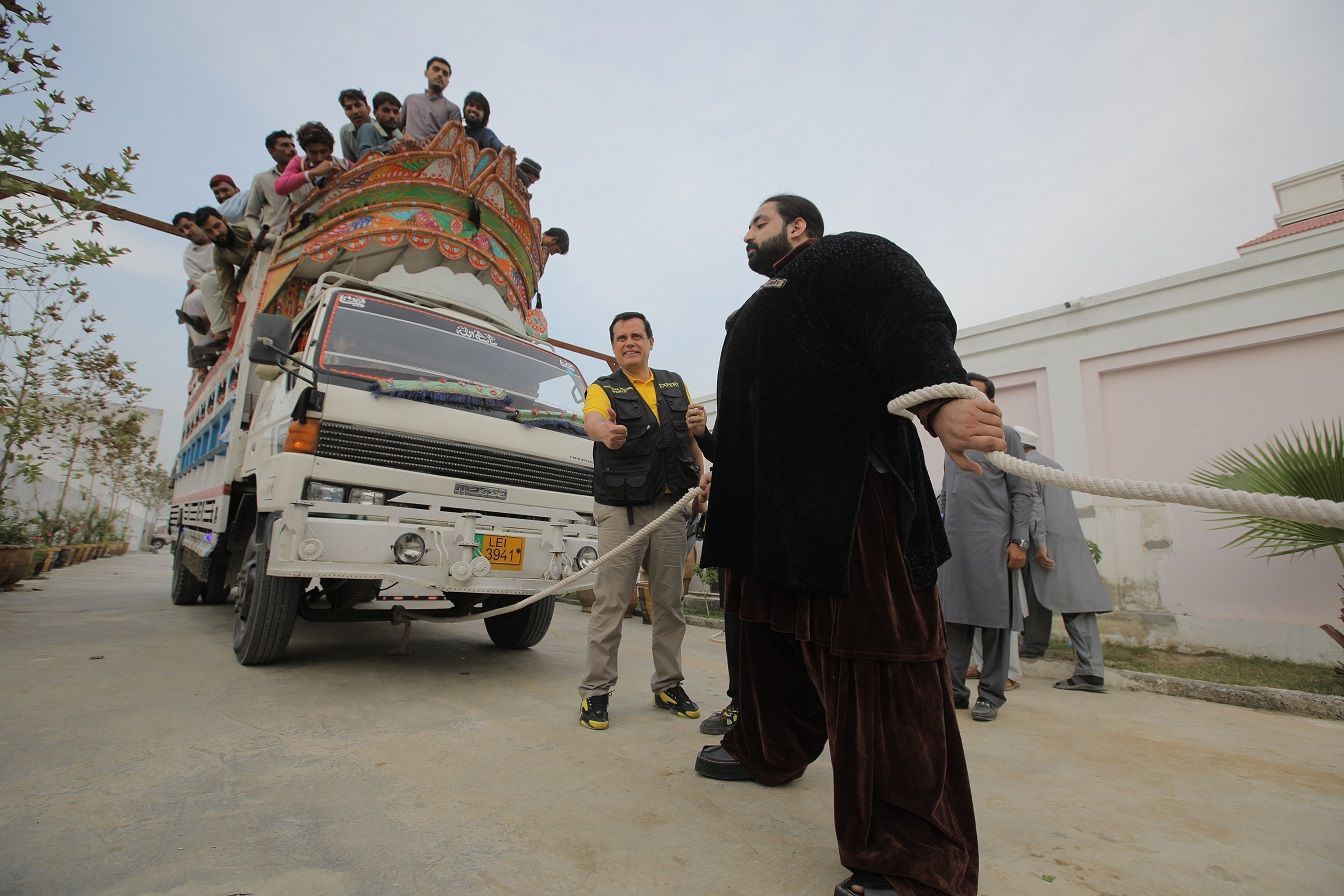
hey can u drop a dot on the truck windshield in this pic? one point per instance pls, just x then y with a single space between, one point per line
373 339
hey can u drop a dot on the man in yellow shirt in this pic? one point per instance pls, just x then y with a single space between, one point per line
644 460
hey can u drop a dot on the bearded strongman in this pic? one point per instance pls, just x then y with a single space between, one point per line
827 529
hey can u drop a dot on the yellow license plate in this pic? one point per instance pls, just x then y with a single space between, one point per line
503 551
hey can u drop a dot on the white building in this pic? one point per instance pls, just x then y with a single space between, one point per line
84 492
1155 381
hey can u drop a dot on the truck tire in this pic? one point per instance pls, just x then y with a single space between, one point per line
263 614
157 542
216 583
522 628
186 587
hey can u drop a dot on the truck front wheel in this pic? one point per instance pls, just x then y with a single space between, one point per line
263 614
522 628
186 587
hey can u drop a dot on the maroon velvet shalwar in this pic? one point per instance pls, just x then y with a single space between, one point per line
867 672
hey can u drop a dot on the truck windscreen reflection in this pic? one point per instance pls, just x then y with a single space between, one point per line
370 339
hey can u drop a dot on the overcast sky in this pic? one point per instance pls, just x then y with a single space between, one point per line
1026 153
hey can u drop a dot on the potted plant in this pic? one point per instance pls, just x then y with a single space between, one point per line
16 549
1305 463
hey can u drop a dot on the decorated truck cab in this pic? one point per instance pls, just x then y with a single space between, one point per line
389 435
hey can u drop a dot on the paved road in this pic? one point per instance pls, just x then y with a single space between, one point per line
139 758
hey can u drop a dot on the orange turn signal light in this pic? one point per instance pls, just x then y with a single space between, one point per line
302 437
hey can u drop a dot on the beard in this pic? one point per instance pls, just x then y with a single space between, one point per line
768 254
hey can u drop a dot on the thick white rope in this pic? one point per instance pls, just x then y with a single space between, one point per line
563 584
1302 510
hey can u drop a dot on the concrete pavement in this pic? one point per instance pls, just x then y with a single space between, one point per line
139 758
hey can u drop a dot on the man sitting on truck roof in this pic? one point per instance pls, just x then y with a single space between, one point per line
264 205
218 288
232 204
315 168
382 135
423 115
476 114
356 108
554 241
198 259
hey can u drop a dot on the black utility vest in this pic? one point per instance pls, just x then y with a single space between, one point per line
656 457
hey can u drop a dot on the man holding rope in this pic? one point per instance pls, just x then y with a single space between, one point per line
644 460
827 531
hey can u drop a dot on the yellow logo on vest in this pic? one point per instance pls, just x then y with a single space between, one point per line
672 385
621 390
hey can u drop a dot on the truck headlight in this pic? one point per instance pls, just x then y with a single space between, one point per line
322 491
367 496
409 549
586 555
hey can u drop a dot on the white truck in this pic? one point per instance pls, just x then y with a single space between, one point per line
395 438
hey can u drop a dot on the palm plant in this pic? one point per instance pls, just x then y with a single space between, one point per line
1305 462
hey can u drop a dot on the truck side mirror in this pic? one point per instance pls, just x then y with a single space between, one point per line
274 329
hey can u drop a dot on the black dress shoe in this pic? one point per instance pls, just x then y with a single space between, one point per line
717 763
961 702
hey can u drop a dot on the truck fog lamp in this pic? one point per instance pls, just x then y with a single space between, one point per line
409 549
310 549
480 566
461 570
367 496
586 555
322 491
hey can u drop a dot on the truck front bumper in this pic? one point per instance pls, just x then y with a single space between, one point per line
354 541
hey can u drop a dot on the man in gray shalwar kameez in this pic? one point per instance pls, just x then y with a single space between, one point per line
1062 578
987 518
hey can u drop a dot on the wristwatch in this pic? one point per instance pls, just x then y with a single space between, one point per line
1021 542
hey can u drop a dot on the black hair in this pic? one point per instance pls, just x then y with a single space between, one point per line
311 132
383 96
205 213
792 207
180 215
479 99
276 136
434 59
628 315
989 383
562 240
352 93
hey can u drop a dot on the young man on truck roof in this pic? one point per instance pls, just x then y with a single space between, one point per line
382 134
356 108
198 259
232 244
424 114
318 164
232 204
264 205
476 115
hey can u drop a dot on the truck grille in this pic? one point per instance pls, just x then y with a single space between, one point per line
381 448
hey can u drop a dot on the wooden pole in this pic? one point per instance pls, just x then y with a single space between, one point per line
118 214
578 349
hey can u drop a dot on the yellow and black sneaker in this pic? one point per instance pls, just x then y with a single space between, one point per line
593 712
674 699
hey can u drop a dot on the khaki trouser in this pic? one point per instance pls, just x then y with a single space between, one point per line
217 305
662 556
